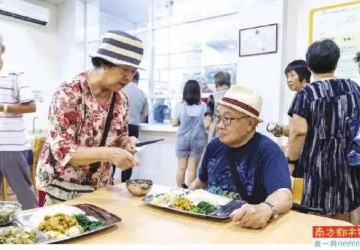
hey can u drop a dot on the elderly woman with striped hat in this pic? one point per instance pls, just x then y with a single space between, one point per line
88 135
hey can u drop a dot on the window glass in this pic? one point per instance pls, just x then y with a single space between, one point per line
169 12
183 39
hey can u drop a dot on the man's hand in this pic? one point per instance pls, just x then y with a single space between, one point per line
252 216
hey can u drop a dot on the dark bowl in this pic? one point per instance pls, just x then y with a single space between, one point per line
139 187
8 211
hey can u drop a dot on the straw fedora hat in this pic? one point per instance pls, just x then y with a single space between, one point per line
120 48
244 100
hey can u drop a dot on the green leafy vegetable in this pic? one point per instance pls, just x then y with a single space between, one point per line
204 208
87 224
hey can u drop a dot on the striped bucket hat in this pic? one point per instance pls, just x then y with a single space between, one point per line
120 48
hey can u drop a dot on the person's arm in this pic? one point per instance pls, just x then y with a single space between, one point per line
297 135
145 109
286 130
65 120
23 92
175 116
175 122
117 156
197 184
257 216
19 108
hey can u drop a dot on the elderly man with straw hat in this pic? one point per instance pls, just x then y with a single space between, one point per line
244 164
88 123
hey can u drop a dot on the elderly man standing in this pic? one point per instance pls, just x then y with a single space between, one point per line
222 81
15 99
243 163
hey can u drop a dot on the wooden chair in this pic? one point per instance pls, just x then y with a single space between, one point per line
297 187
4 191
37 146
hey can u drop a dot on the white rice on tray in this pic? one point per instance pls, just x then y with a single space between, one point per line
199 195
196 197
165 199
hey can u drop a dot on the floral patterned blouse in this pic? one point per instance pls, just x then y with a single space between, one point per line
77 119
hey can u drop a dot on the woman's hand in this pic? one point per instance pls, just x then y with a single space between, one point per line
121 158
129 144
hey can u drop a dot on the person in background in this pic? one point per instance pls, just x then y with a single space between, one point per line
222 84
244 164
16 99
138 107
297 76
204 88
357 60
317 139
77 117
159 110
355 214
191 135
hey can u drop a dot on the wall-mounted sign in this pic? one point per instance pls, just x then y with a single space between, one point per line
258 40
340 23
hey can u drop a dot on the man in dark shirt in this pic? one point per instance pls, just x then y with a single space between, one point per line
242 163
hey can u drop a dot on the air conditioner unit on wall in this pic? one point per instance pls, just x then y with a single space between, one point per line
24 11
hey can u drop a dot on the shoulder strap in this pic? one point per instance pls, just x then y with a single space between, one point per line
235 176
108 121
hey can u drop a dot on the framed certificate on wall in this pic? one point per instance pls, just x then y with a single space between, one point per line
340 23
258 40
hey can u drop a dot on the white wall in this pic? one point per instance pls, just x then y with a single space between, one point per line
72 38
35 49
108 22
263 72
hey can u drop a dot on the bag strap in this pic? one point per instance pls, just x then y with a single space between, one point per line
108 121
235 176
94 166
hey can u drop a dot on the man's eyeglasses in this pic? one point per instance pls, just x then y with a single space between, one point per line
227 120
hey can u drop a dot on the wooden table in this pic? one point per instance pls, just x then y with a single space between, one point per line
142 223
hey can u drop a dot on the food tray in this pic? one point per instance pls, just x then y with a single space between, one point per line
223 212
23 220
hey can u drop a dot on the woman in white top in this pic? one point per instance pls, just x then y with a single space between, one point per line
191 136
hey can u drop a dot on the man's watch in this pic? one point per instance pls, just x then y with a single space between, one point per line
274 210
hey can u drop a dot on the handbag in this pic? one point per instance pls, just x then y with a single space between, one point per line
353 141
58 190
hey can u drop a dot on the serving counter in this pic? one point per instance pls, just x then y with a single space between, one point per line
142 223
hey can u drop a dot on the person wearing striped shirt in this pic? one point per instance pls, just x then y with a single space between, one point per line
16 98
